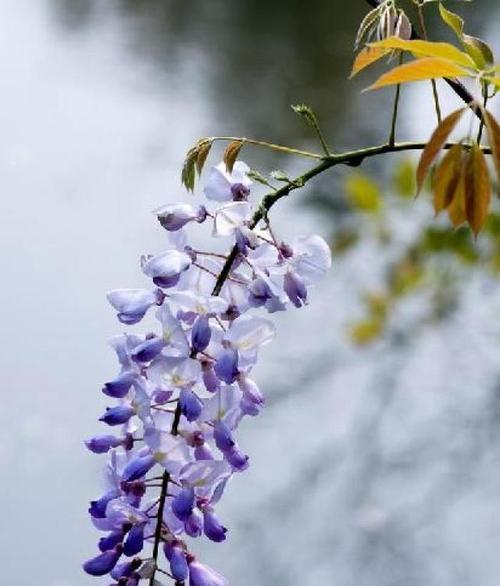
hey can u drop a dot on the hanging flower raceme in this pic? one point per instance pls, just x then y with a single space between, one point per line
182 391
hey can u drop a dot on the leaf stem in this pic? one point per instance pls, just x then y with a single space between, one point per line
269 145
485 103
435 95
350 158
392 135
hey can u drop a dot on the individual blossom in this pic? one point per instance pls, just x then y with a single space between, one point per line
132 304
225 186
175 216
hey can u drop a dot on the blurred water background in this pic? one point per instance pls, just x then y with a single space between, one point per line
373 467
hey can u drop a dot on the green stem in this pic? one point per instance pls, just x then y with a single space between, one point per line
392 135
269 145
322 139
437 106
485 103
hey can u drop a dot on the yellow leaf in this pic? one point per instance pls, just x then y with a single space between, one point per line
366 331
446 178
435 144
477 189
427 49
494 81
363 193
418 70
366 57
493 129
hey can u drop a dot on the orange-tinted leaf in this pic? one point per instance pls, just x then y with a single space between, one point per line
366 57
446 178
418 70
493 129
421 48
435 144
203 152
231 154
477 189
456 209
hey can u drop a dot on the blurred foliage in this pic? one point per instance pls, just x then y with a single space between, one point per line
432 264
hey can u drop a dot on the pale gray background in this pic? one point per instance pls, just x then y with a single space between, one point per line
372 468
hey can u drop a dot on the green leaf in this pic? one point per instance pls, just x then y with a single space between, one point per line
479 51
455 22
188 174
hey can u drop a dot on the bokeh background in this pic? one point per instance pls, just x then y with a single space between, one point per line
372 466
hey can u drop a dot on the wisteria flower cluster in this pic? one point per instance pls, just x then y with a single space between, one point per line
181 392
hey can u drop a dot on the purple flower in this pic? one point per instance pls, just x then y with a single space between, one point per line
135 541
202 575
132 304
178 563
237 458
203 342
295 288
166 268
212 526
110 541
194 525
191 405
149 349
223 436
117 415
183 503
226 367
210 380
103 563
120 386
138 467
97 508
174 216
201 333
251 391
220 182
125 569
101 444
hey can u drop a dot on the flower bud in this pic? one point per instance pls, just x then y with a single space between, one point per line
117 415
183 503
103 563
